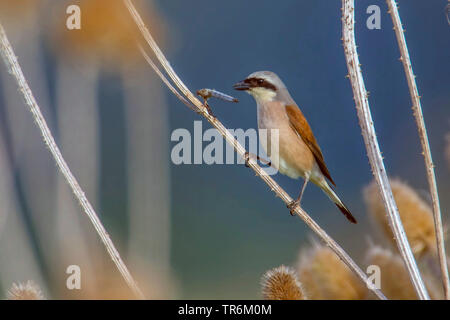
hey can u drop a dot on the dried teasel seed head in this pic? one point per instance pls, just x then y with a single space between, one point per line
394 279
325 277
415 213
281 284
25 291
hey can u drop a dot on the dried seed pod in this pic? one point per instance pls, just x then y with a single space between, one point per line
325 277
394 278
281 284
25 291
415 213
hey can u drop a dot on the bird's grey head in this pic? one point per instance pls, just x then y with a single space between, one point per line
262 85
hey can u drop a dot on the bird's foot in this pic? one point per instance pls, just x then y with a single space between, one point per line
292 206
248 155
247 158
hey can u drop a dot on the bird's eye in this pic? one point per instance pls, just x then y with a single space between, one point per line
260 81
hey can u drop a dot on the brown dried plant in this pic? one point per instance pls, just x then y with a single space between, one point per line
282 284
325 277
25 291
322 276
394 277
415 213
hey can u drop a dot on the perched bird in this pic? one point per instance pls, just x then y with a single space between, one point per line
299 153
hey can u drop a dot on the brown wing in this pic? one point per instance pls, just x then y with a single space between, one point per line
301 126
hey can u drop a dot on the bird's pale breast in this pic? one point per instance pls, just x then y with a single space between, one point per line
295 158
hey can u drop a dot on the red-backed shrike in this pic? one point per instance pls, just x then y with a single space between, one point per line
299 152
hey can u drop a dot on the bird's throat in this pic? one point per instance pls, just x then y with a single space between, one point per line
262 95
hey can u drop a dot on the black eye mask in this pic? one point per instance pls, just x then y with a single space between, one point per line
260 83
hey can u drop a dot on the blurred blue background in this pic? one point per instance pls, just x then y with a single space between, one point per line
226 227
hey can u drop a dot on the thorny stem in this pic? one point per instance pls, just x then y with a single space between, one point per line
13 68
242 152
417 108
373 149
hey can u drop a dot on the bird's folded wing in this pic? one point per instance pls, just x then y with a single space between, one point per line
301 126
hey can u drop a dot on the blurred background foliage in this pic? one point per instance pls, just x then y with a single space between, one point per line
198 231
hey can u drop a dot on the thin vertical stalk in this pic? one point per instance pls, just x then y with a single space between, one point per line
372 147
418 115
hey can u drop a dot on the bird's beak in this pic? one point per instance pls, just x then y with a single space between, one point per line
241 86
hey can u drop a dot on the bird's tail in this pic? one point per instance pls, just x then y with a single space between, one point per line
338 202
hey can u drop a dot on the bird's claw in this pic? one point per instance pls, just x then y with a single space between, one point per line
247 158
292 206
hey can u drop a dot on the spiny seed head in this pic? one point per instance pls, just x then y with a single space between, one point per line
25 291
325 277
281 284
395 282
415 213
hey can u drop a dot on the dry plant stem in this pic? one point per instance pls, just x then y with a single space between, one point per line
373 149
166 81
241 151
417 108
13 68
